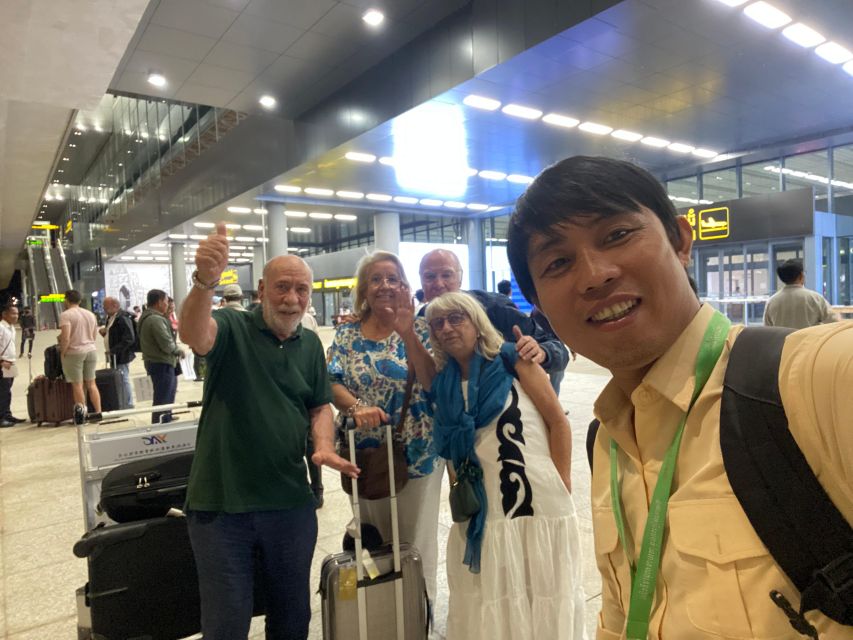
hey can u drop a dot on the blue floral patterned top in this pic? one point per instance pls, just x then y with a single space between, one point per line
375 371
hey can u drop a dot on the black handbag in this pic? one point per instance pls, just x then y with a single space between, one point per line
373 481
464 502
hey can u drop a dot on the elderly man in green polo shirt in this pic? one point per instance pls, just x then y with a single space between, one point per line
248 491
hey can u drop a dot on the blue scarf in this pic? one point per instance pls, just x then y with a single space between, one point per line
489 382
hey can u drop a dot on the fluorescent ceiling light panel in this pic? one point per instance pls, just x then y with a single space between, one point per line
560 120
300 229
405 200
296 214
594 127
159 253
732 3
320 215
680 147
655 142
159 245
476 206
198 237
373 17
519 178
705 153
345 217
252 227
141 252
470 172
316 191
520 111
378 197
357 156
239 210
233 227
833 52
204 225
157 79
260 211
177 236
803 35
388 161
492 175
248 254
267 102
767 15
431 202
453 204
627 136
481 102
161 259
351 195
287 188
244 239
128 258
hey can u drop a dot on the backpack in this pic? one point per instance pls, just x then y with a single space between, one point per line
53 363
774 484
135 325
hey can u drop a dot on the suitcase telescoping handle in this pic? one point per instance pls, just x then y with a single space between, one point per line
109 415
349 425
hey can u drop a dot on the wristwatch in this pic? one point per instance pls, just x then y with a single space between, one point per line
198 284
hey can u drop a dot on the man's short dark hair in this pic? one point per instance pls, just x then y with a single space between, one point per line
154 297
582 186
73 296
419 294
790 270
505 287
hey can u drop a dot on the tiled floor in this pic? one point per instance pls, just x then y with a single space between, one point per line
41 511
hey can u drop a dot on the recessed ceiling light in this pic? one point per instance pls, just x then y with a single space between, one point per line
299 229
476 206
492 175
260 211
680 147
767 15
352 195
378 197
833 52
803 35
405 200
239 210
296 214
253 227
452 204
520 111
560 120
732 3
519 178
81 127
204 225
628 136
594 127
705 153
373 17
431 202
287 188
49 197
357 156
157 79
316 191
655 142
481 102
320 215
387 161
345 217
267 102
177 236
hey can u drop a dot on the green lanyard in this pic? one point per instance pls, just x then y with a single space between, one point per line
645 575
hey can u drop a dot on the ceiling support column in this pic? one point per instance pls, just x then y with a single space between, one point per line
476 254
179 273
277 227
386 231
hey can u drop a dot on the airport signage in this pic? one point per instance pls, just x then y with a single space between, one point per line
53 297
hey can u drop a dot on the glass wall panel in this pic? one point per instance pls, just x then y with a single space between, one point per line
842 175
845 271
760 178
684 190
757 281
826 269
809 170
720 185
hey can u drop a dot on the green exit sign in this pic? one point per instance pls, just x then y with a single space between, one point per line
35 242
53 297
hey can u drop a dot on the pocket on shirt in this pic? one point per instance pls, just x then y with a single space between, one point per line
615 574
726 570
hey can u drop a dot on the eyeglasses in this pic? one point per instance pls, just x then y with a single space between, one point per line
392 281
454 319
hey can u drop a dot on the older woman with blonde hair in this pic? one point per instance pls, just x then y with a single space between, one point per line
513 556
369 369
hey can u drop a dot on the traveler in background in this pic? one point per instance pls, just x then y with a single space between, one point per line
597 244
505 289
794 306
309 319
170 315
248 496
256 301
369 368
8 364
28 330
515 568
78 330
137 312
556 377
119 342
232 294
160 352
419 297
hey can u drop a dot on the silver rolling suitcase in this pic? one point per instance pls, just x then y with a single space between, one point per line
379 597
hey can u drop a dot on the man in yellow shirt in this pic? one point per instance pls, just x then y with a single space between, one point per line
597 245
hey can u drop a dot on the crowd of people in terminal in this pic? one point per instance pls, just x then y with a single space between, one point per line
470 384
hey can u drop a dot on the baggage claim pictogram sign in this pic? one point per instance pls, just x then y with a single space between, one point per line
712 224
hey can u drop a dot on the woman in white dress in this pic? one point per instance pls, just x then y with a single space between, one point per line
514 569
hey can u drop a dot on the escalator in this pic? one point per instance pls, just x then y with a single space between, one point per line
60 269
47 313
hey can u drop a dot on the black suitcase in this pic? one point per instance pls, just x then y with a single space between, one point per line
53 363
146 488
142 580
111 387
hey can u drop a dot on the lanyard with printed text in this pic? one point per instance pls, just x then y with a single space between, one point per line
644 574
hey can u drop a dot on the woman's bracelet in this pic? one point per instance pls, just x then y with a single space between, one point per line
350 411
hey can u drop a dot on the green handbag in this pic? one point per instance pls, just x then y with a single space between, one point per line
464 502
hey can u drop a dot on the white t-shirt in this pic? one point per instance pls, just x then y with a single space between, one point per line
82 328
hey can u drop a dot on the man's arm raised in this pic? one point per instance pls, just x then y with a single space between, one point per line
197 326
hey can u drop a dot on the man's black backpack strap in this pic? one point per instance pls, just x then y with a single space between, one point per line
591 433
786 505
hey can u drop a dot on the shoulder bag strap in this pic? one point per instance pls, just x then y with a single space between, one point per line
774 483
407 399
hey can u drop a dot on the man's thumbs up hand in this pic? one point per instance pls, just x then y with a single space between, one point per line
211 257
